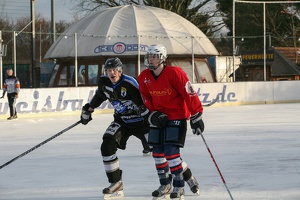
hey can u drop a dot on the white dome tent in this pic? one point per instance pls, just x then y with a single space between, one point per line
126 32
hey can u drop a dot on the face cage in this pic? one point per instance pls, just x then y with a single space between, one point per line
151 67
104 71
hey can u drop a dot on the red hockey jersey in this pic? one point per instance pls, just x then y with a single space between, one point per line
171 93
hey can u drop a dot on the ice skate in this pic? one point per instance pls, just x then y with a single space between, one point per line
114 191
163 192
194 186
12 117
147 152
177 193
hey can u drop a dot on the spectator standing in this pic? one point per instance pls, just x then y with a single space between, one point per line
11 86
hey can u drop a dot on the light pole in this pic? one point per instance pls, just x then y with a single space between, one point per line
233 40
1 53
53 28
297 51
265 46
33 44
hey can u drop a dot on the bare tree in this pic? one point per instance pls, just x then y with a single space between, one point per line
23 39
282 23
193 11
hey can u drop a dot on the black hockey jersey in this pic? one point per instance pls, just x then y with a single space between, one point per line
125 98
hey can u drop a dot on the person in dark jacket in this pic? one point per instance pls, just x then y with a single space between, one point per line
130 118
11 86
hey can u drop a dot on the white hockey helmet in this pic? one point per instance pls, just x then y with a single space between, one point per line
156 49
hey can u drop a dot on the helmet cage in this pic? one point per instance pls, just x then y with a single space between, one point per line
112 63
158 51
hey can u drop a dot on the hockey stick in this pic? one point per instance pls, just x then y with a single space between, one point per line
40 144
212 101
216 166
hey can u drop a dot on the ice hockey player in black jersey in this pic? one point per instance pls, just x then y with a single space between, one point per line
122 91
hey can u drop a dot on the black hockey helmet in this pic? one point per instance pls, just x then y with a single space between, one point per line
113 63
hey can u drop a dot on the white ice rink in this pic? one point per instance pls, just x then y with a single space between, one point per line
257 148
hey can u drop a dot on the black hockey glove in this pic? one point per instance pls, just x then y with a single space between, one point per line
86 115
158 119
197 124
144 112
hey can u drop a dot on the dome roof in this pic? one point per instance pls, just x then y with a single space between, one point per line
121 30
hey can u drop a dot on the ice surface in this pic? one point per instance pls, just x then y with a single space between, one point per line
256 147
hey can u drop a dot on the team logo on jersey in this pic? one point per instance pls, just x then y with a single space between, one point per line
189 88
123 92
165 92
147 81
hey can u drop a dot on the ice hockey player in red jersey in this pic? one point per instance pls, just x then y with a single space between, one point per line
171 99
122 91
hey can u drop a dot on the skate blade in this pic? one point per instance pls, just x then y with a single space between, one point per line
147 154
164 197
197 192
115 195
179 198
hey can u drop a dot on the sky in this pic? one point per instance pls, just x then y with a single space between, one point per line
256 148
64 9
18 8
